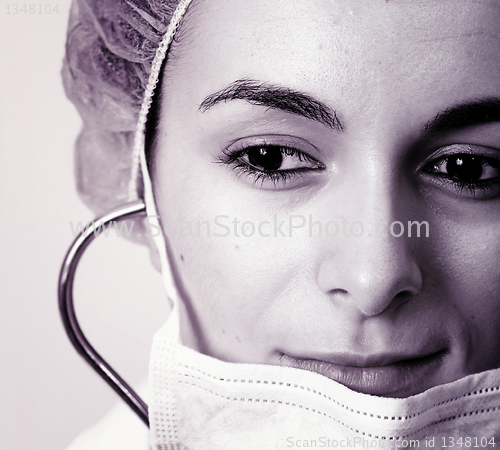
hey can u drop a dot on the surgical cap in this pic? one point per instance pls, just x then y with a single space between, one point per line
109 51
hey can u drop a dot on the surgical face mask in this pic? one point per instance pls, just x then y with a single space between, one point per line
199 402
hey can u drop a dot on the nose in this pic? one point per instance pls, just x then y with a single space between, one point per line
375 270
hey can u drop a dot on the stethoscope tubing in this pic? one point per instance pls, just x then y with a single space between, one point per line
70 321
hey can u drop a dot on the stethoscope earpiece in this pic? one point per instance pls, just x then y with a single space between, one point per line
66 308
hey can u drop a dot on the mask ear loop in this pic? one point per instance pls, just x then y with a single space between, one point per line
68 316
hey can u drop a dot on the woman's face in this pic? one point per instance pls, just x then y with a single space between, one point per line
323 124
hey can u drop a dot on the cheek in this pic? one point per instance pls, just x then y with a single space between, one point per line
232 250
467 259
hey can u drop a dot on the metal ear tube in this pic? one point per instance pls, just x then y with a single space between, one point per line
70 321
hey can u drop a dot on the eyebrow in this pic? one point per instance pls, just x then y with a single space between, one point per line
274 97
478 112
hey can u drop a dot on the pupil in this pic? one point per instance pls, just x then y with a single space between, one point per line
465 167
267 158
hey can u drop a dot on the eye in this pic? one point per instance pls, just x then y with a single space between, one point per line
274 157
468 168
270 163
265 158
469 174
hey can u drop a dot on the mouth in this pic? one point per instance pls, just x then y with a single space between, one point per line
383 375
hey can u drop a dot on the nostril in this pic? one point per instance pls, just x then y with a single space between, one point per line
402 297
338 291
403 294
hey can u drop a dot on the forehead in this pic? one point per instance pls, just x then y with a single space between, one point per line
346 51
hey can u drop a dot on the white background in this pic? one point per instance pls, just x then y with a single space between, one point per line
48 394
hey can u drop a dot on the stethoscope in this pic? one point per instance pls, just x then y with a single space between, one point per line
70 321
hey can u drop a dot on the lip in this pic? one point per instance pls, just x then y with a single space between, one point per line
382 375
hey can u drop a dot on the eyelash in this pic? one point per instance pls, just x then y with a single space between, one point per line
232 158
474 187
